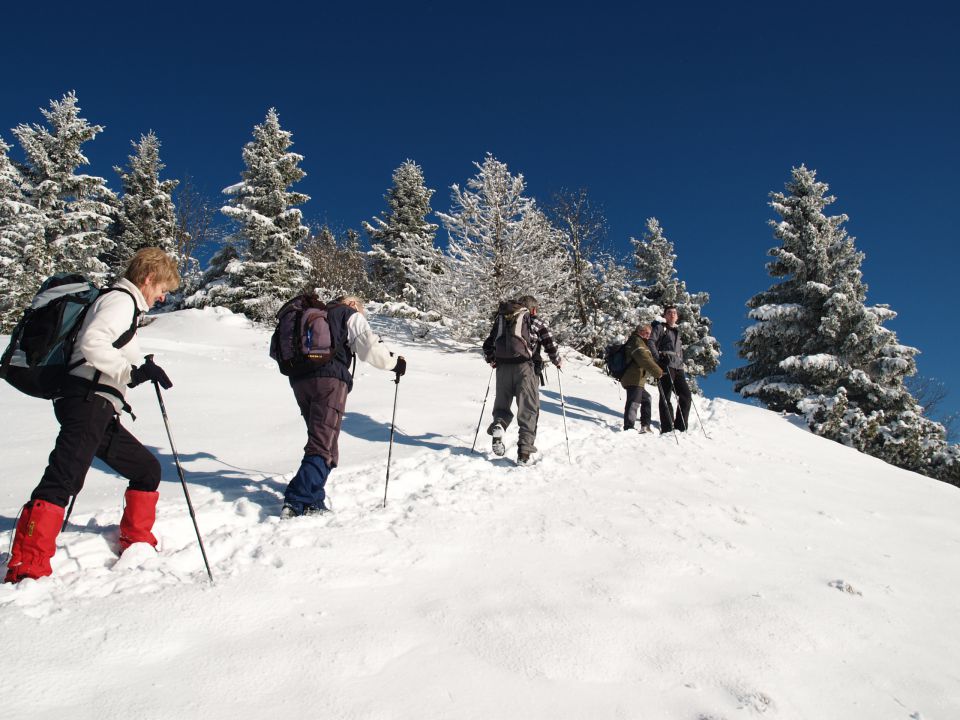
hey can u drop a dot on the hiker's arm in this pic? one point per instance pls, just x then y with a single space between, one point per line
367 344
546 339
489 345
652 343
109 318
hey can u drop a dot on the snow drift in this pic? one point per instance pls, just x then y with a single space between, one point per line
764 571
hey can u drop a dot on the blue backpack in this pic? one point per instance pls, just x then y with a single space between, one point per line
37 360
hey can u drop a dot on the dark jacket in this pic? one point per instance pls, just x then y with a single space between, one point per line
641 363
339 366
669 348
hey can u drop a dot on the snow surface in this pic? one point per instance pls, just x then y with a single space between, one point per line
763 572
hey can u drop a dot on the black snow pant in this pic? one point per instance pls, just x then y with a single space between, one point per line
674 379
637 397
89 428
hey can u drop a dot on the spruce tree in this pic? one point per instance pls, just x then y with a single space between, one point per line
405 262
24 259
77 209
270 268
657 284
817 349
501 246
147 217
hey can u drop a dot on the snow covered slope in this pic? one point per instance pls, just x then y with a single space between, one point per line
764 571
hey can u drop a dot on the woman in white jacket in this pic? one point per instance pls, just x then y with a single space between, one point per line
89 415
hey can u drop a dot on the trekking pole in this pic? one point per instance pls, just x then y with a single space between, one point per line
393 421
669 407
66 520
699 419
183 482
563 408
480 421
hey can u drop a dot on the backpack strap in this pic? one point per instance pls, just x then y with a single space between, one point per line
351 362
132 330
94 386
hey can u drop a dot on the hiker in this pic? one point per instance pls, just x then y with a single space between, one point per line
321 394
514 341
668 352
88 409
641 363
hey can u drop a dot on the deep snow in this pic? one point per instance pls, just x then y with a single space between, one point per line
764 571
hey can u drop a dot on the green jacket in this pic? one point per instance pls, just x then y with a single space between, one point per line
641 363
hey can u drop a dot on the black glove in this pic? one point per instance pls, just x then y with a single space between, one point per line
149 371
401 367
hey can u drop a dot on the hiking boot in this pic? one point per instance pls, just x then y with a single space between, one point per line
314 510
523 458
34 541
498 447
644 429
287 512
139 514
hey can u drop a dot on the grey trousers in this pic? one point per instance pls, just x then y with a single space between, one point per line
521 382
637 397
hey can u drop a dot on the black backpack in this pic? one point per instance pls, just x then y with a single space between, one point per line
302 340
616 360
513 332
37 360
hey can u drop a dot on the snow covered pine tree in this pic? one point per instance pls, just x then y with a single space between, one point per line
406 264
269 268
817 349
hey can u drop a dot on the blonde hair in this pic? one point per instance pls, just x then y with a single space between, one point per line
154 263
353 301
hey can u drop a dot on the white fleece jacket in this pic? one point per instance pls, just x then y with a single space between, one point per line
108 318
367 344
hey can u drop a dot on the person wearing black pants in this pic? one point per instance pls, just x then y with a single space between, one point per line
90 428
88 410
665 342
674 380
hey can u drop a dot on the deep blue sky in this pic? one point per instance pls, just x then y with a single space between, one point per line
692 115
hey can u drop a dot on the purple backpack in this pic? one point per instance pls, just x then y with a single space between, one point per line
302 340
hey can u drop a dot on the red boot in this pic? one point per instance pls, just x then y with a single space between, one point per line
35 541
139 514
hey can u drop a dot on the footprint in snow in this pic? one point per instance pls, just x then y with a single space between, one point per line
844 586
